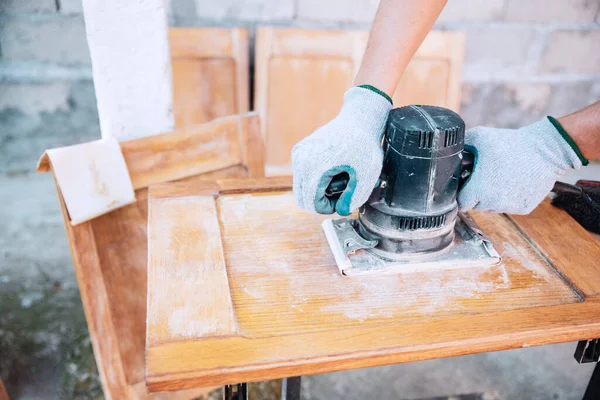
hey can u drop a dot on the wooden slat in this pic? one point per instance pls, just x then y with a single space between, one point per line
227 186
295 315
571 249
95 299
195 150
301 76
176 365
253 147
210 73
187 281
185 152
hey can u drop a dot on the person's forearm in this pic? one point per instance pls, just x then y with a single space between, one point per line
583 127
397 32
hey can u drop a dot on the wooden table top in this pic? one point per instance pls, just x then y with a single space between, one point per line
242 286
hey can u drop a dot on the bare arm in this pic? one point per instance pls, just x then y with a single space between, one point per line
584 128
398 30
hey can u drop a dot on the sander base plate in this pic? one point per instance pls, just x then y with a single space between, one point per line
470 248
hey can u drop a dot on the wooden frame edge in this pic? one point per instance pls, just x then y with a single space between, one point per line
552 327
82 237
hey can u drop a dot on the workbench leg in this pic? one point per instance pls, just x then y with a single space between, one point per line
235 392
593 389
290 388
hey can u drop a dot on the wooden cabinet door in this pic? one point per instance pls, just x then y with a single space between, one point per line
301 76
210 73
262 297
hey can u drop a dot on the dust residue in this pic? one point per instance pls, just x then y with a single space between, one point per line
527 258
425 293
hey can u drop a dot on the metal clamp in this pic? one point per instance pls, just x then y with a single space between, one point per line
235 392
587 351
350 240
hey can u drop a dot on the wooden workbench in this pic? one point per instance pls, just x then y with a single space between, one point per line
242 286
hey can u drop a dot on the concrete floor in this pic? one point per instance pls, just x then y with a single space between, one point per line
45 352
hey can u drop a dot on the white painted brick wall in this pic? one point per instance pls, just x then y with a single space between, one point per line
572 51
55 40
472 10
559 11
497 50
70 7
245 10
362 11
35 98
27 6
523 57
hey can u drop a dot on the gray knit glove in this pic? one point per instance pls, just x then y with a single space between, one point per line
516 169
349 143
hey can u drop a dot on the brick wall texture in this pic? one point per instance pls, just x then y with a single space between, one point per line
524 59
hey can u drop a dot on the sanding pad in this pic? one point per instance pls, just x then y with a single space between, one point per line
470 248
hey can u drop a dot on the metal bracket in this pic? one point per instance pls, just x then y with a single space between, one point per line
587 351
290 388
350 240
235 392
475 231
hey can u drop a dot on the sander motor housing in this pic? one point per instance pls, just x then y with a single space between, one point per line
413 209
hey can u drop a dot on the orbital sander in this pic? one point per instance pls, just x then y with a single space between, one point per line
411 220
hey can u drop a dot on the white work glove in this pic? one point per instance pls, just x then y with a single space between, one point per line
349 143
515 169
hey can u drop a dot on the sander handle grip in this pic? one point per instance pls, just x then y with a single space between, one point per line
466 167
339 182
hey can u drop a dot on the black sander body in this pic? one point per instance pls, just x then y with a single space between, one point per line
413 209
412 215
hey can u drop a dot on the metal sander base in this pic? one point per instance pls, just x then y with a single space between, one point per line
470 248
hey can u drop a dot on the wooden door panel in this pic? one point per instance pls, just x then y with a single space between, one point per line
203 90
323 67
210 73
295 92
424 82
296 315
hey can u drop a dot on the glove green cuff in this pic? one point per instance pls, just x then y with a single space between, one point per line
568 139
379 92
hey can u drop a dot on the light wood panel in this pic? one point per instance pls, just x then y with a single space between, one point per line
110 252
296 315
210 73
567 246
301 76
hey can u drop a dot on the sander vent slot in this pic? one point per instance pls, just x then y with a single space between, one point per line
451 137
425 139
414 223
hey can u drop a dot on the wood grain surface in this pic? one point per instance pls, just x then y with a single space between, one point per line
3 393
301 76
110 252
295 315
571 249
210 73
194 150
